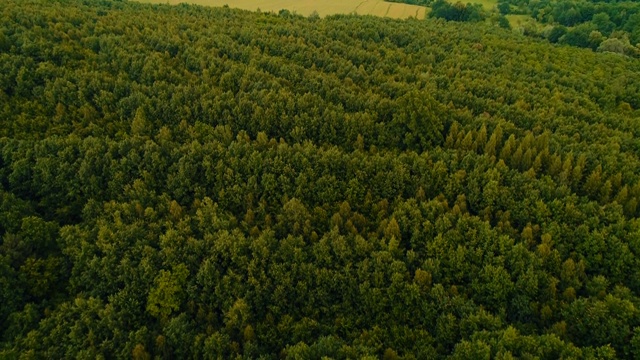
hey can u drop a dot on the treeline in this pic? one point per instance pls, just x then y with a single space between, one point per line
457 12
414 2
186 182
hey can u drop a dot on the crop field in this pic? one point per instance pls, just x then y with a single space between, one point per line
323 8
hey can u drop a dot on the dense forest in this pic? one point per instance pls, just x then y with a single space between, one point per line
190 182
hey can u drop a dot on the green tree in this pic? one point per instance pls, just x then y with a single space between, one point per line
418 121
168 292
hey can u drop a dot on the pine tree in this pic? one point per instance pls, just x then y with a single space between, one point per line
140 126
594 182
527 159
467 142
495 141
605 192
556 165
622 196
507 150
481 139
567 169
516 159
576 174
490 148
450 142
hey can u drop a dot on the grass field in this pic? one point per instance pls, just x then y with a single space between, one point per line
518 20
486 4
323 8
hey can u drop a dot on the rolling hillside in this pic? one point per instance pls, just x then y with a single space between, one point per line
214 183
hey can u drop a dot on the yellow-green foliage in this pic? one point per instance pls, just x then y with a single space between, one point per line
189 182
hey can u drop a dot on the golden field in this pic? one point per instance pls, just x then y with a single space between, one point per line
307 7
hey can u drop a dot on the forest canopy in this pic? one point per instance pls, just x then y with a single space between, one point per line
191 182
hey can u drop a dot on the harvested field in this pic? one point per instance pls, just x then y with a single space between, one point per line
323 8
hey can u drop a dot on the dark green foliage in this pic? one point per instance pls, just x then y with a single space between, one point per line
414 2
579 35
503 22
504 8
456 12
187 182
556 33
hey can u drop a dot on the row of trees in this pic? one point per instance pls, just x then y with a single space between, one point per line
457 12
212 183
